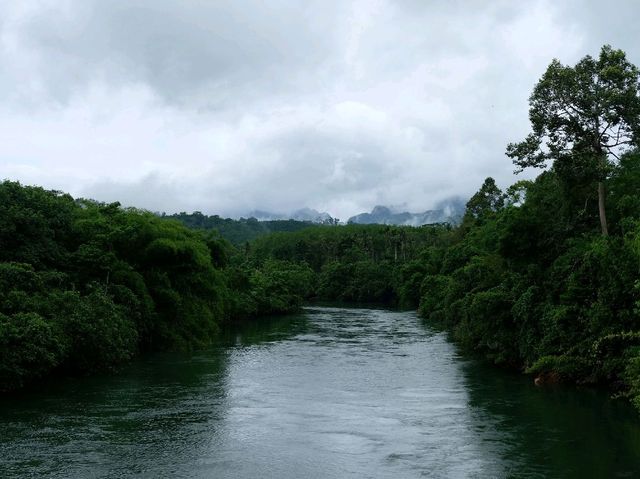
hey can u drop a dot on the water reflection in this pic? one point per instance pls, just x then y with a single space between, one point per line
265 330
331 393
147 418
553 431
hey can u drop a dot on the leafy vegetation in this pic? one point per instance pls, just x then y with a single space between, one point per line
540 277
238 232
84 286
355 263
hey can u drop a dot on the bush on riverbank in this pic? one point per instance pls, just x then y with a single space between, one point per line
535 284
84 286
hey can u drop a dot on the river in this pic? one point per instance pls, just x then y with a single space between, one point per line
329 393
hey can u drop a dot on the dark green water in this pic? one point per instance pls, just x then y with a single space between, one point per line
332 393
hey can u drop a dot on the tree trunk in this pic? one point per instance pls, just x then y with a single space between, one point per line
601 209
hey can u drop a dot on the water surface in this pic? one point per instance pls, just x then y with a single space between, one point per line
331 393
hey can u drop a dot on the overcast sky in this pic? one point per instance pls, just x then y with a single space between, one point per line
229 106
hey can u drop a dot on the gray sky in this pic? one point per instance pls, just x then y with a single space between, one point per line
228 106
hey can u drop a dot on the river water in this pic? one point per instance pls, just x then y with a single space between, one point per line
330 393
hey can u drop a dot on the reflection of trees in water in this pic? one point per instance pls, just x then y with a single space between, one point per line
264 330
169 414
145 415
162 409
552 431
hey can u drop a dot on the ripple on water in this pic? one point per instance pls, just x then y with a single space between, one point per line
334 393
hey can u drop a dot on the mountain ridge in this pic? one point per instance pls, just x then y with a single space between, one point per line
450 210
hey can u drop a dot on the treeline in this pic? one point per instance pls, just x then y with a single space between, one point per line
356 263
528 281
85 286
237 232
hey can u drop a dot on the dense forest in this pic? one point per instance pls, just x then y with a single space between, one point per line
543 276
84 286
237 232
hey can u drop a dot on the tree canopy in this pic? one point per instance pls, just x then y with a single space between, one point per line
583 117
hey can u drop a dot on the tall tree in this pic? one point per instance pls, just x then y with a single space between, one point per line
582 119
487 200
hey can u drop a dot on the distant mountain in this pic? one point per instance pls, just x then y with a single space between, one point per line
309 214
303 214
447 211
261 215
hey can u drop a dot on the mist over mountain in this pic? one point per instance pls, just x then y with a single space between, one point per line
449 210
446 211
302 214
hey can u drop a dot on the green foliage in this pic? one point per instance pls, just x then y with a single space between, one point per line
238 232
358 263
30 347
34 225
581 113
531 284
582 118
632 375
84 286
101 334
486 201
280 286
564 367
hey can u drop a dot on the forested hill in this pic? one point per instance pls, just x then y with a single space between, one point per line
239 231
84 286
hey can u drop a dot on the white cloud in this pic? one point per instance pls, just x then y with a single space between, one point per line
227 106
